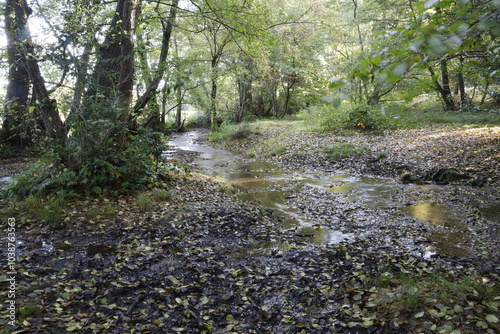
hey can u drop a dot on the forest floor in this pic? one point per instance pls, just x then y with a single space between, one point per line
202 261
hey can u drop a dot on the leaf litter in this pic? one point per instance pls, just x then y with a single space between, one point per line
205 262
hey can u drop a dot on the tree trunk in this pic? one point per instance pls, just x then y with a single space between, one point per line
245 83
213 103
22 53
446 90
17 95
47 107
152 87
443 90
112 90
461 83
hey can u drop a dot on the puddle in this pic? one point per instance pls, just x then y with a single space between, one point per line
372 192
91 250
5 179
439 214
433 213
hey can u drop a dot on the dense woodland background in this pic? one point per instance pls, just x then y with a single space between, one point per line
92 86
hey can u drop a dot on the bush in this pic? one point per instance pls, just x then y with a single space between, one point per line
359 117
74 170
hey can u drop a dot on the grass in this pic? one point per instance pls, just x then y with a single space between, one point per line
415 293
270 147
146 200
100 211
46 210
29 309
278 151
415 119
342 151
233 132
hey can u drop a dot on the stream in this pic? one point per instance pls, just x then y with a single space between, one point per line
300 199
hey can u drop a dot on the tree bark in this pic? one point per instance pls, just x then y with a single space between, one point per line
461 83
17 95
245 90
111 94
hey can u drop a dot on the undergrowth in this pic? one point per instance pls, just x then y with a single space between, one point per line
342 151
391 117
99 170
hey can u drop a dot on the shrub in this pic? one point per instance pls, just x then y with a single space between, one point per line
75 170
365 117
359 117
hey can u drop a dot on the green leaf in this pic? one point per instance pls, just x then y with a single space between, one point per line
482 324
436 44
492 318
336 103
420 314
431 3
335 83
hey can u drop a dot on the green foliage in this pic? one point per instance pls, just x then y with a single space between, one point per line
160 195
72 171
360 117
437 289
342 151
6 151
433 114
277 151
233 132
29 309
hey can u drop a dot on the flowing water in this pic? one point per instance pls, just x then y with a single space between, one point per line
261 181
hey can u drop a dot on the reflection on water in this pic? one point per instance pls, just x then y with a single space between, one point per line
432 213
445 241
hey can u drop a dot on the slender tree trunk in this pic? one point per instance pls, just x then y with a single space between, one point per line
461 83
213 102
245 90
152 87
485 93
446 90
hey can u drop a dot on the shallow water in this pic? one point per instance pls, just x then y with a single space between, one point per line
260 181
